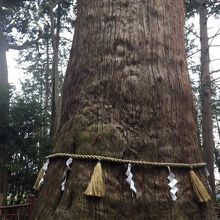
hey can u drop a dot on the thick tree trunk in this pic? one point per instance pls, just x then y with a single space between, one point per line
4 118
207 124
126 95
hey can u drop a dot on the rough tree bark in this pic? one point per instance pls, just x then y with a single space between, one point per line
55 99
207 123
4 118
47 86
126 95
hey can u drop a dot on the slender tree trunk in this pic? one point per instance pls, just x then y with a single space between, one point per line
47 88
217 123
4 118
216 151
207 124
126 95
55 99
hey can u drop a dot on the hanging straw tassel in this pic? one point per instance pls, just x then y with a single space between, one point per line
199 188
96 184
40 175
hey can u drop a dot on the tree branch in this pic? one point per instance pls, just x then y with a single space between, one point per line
217 59
216 34
190 55
215 71
215 45
191 31
216 79
214 84
66 39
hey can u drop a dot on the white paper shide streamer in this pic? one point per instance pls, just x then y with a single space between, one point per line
207 174
172 185
45 167
68 162
129 179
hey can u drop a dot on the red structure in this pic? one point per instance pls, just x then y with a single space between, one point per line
17 212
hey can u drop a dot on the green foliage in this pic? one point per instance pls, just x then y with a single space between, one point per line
30 109
216 118
19 22
28 145
192 7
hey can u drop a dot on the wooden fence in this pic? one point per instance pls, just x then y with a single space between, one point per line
17 212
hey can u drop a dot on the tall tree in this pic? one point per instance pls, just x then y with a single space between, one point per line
207 124
4 117
207 82
46 59
28 144
9 18
126 95
55 99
